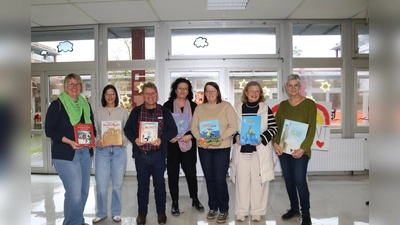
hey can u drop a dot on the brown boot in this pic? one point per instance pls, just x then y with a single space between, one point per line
162 218
141 219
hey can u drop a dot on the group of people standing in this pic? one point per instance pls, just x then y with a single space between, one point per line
251 165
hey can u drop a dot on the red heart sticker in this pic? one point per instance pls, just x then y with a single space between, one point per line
320 143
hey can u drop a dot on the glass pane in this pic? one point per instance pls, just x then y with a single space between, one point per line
198 80
130 43
36 109
316 40
56 86
323 84
267 79
363 98
62 46
223 41
122 80
36 150
363 40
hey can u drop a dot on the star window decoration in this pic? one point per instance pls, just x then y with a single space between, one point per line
139 87
243 83
310 97
325 86
266 91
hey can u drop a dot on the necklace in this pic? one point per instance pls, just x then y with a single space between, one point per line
252 107
109 112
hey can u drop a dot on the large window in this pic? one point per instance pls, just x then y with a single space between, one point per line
323 84
316 40
223 41
267 79
62 46
130 43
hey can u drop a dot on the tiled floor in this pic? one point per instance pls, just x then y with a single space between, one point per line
335 200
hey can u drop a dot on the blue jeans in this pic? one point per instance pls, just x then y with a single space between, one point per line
151 165
215 163
109 162
75 176
295 174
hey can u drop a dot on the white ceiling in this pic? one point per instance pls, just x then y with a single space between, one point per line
82 12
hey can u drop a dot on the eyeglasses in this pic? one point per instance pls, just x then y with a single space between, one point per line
110 94
182 89
293 86
211 91
254 91
74 84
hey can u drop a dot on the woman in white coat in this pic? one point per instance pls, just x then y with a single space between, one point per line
252 164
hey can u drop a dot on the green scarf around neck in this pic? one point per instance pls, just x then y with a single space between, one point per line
74 109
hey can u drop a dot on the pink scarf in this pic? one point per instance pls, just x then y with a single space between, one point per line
184 146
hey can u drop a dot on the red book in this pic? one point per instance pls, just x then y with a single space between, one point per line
84 134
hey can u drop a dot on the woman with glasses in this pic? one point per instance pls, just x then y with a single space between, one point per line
182 150
110 160
294 166
214 147
71 160
252 165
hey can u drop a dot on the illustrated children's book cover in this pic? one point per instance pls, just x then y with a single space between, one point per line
111 132
250 130
182 121
148 131
84 134
209 133
293 135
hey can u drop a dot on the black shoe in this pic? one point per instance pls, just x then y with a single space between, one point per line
141 219
175 208
290 213
162 218
306 220
196 203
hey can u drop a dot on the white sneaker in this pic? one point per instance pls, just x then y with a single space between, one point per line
240 218
97 219
117 218
256 218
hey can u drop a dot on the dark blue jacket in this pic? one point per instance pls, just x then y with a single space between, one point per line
169 131
57 126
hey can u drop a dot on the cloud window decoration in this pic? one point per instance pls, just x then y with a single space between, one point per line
65 46
200 42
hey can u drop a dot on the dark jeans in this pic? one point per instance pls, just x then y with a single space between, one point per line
146 166
295 174
176 159
215 163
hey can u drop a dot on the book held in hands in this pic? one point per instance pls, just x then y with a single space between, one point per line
84 134
293 135
209 133
148 131
111 132
182 121
250 130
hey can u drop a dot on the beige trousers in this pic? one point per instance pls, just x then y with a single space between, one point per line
251 195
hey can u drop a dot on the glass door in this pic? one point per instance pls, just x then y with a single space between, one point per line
41 98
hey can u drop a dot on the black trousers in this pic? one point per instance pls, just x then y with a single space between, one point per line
187 160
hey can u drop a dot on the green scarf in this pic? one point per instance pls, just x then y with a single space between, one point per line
74 109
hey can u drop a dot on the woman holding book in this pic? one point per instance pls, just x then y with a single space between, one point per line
213 125
110 160
294 166
71 160
252 165
182 150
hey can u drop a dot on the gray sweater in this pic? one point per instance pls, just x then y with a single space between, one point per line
107 114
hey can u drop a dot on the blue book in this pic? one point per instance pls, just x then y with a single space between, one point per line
293 135
250 131
209 133
182 121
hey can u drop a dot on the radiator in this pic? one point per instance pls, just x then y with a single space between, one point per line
343 155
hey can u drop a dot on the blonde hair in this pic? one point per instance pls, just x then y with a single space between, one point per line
70 77
246 88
